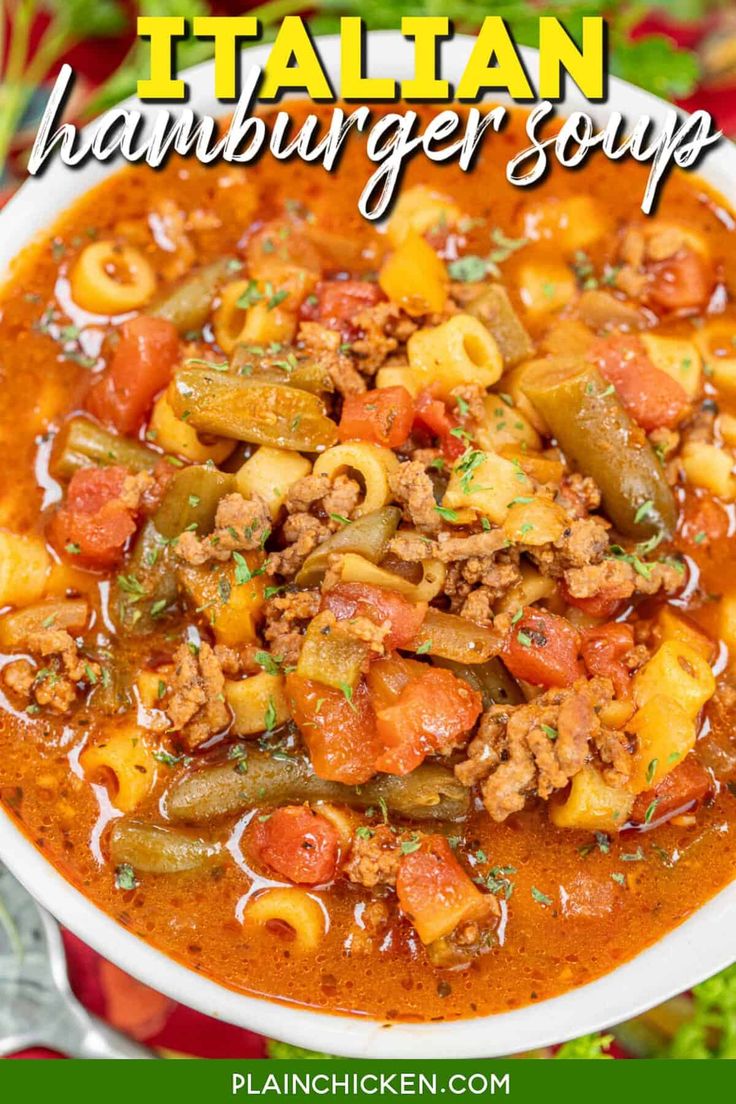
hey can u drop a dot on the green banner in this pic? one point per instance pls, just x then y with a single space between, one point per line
349 1080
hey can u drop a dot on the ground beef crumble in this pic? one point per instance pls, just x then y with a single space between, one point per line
195 701
241 525
375 855
63 676
287 616
536 748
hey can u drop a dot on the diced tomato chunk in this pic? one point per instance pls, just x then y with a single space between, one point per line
687 783
603 649
383 416
336 303
603 604
543 649
703 520
93 524
140 367
349 600
650 396
432 415
436 893
430 714
296 843
340 735
682 283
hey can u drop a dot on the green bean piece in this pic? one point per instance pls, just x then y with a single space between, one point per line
494 309
142 592
257 779
330 655
368 536
83 443
247 410
452 637
595 432
191 500
113 694
283 366
492 681
155 849
189 305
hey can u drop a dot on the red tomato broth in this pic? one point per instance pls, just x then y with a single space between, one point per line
591 924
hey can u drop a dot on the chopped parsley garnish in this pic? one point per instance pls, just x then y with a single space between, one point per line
541 898
348 694
250 296
413 843
644 511
468 270
269 717
125 878
270 664
651 811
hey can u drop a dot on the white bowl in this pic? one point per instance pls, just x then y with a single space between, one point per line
698 948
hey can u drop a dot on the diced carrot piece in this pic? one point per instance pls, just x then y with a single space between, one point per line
682 283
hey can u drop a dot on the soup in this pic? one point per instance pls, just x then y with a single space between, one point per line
366 591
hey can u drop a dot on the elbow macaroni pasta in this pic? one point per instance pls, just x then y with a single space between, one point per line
125 758
254 324
373 464
356 569
459 351
109 278
270 473
293 907
717 344
490 488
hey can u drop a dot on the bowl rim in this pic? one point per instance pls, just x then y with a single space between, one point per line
696 949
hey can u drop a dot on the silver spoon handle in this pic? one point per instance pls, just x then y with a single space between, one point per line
83 1035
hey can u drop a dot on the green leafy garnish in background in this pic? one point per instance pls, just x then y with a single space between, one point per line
711 1032
69 22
